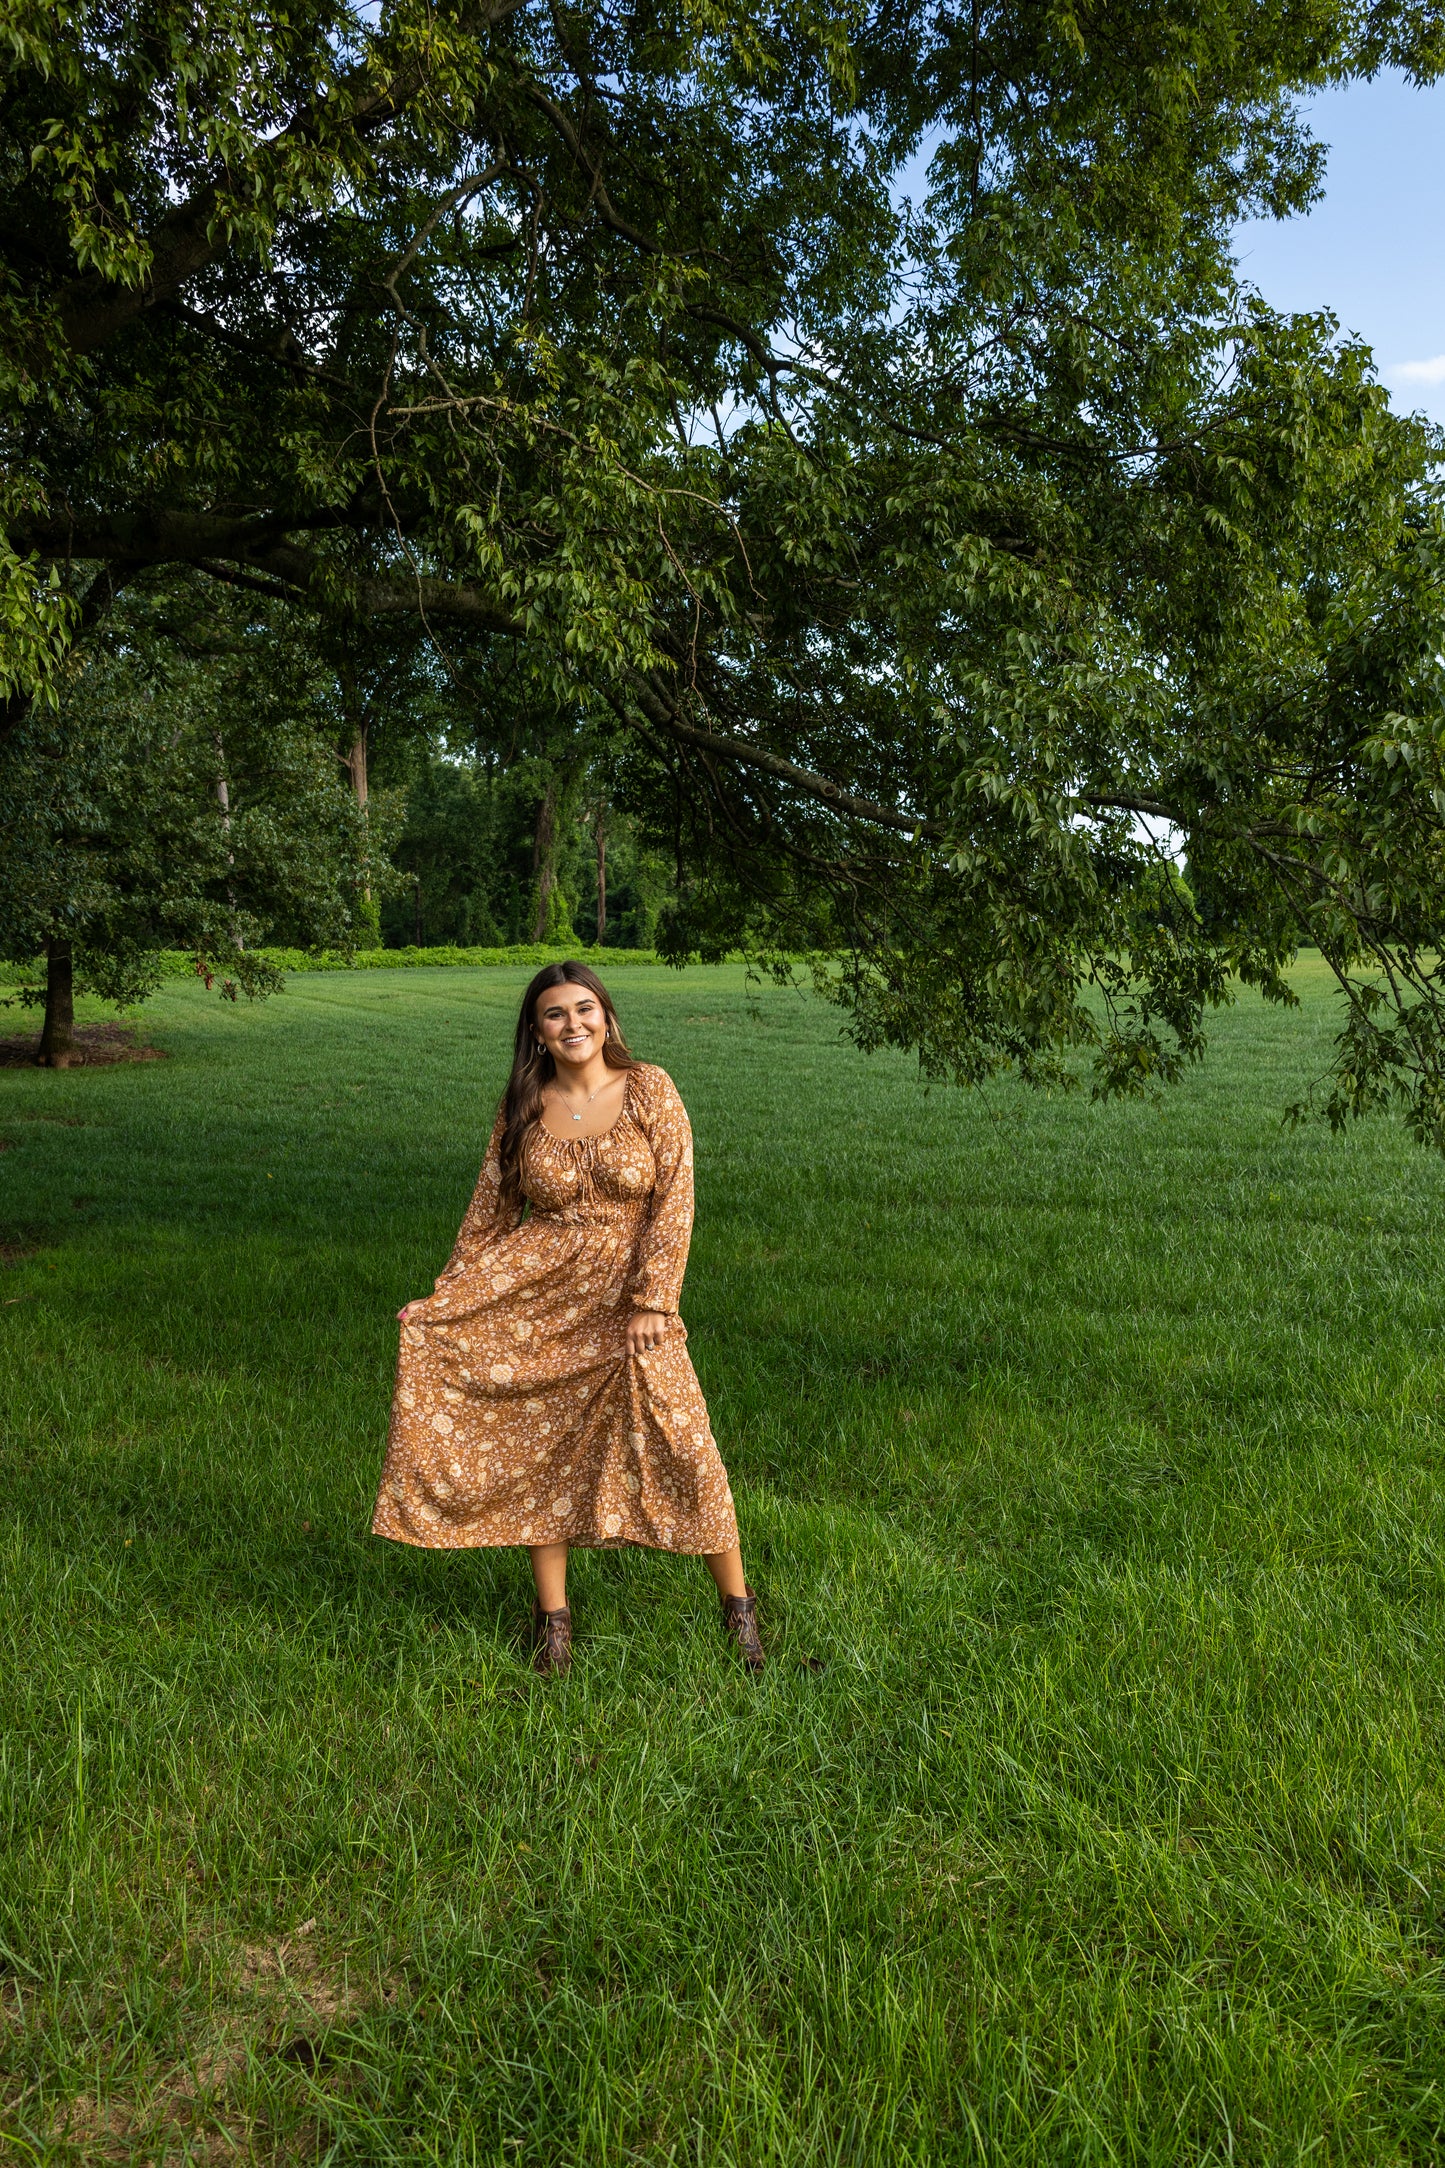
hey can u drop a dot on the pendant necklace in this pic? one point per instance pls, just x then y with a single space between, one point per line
588 1100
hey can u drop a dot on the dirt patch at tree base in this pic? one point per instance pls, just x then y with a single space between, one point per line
96 1046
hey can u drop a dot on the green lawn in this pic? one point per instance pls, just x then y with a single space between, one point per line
1088 1467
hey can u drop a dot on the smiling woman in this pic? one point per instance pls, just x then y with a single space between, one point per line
544 1394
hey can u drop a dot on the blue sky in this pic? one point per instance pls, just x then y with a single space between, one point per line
1373 248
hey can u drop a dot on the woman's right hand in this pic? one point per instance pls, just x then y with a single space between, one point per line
404 1313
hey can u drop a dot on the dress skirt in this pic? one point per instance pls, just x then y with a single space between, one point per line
518 1416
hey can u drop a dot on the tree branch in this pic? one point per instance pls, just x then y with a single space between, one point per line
231 577
93 309
611 217
1123 801
252 552
280 356
426 597
663 715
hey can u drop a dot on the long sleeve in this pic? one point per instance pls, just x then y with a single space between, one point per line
485 1222
663 1244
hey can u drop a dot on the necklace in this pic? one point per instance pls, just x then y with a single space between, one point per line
588 1100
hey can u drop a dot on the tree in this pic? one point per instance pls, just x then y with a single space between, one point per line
466 852
392 700
182 794
925 571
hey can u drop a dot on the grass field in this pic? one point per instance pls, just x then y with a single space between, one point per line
1088 1464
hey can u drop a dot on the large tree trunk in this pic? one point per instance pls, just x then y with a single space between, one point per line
544 857
57 1039
601 871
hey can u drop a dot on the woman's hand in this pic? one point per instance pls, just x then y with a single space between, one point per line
645 1329
408 1308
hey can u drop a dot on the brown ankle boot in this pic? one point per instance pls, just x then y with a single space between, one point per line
551 1642
740 1624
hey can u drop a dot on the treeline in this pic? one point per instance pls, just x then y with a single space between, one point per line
489 857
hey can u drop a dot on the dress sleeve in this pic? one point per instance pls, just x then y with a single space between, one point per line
485 1223
662 1246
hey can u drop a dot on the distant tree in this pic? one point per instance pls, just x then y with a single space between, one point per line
628 883
465 856
395 701
183 793
918 572
467 851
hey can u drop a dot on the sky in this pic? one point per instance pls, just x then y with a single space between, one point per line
1373 248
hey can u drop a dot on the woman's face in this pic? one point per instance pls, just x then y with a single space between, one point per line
571 1023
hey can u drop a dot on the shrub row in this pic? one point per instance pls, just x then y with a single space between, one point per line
181 963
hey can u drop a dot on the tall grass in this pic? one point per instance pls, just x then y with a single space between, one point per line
1088 1468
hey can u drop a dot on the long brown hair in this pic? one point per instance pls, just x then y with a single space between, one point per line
533 1067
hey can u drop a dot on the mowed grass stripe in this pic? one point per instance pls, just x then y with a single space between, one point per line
1087 1461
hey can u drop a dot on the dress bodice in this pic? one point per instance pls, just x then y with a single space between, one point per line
578 1178
633 1184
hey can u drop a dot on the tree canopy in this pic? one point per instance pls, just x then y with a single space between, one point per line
928 567
185 793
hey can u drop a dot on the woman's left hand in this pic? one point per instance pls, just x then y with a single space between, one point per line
405 1313
646 1329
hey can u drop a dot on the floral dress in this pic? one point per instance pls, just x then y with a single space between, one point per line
518 1416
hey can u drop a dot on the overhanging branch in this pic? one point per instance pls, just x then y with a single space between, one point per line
663 715
426 597
259 552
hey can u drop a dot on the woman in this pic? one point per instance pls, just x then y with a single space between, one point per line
544 1393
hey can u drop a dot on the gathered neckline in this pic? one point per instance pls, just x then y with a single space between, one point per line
598 1136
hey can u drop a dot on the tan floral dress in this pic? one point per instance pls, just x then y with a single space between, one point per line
518 1416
